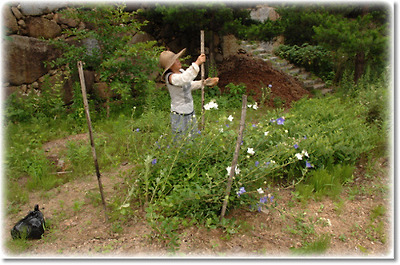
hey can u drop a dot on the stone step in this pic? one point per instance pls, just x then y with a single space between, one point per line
287 67
326 91
319 86
304 75
295 71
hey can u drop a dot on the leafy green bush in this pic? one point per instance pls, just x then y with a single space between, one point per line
125 66
315 59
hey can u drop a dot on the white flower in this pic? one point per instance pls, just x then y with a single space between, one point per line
266 133
230 118
211 105
299 156
250 151
255 106
260 190
249 106
237 170
305 153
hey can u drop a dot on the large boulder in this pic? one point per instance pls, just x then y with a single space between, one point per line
263 13
10 23
40 8
41 27
24 57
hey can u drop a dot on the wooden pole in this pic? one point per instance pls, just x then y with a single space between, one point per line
202 79
86 105
235 157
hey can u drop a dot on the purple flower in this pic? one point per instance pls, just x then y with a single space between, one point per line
267 163
272 120
305 137
137 130
154 161
254 125
308 165
241 191
257 163
263 199
296 146
271 198
269 85
227 125
280 121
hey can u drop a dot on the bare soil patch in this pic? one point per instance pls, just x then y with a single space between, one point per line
256 74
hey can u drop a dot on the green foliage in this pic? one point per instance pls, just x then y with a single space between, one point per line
318 246
348 38
324 182
314 59
235 95
46 103
344 30
187 20
105 46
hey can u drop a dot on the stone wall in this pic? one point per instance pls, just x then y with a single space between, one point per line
25 51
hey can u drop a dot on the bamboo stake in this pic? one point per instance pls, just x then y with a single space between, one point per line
202 79
235 157
86 105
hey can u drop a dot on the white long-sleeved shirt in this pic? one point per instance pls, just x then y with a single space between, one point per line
180 89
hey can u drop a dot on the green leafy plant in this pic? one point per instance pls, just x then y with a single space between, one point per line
107 48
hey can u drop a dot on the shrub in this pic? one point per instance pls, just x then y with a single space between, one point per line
315 59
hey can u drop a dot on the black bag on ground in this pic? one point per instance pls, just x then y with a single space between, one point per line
32 226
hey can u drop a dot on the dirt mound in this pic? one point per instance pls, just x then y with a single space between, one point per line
255 74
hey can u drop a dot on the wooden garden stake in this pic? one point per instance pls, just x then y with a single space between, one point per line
235 157
86 105
202 79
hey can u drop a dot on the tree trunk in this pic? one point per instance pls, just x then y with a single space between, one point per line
359 66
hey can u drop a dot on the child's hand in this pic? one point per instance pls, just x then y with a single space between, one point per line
211 81
201 59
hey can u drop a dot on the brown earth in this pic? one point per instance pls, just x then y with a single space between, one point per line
256 74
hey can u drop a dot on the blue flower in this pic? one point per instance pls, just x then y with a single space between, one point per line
241 191
269 85
271 198
154 161
263 199
308 165
296 146
280 121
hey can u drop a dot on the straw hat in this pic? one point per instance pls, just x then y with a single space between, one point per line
168 58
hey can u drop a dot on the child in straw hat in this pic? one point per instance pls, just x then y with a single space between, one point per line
180 84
